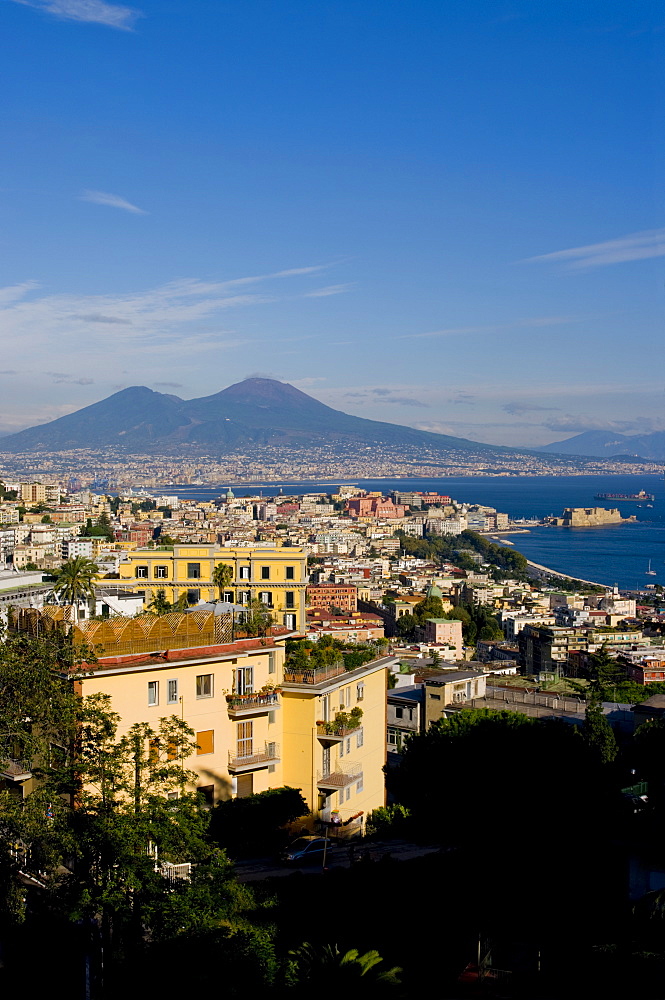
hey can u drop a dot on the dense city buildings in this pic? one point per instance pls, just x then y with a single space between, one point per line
223 588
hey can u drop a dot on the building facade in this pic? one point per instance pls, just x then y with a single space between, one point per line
275 576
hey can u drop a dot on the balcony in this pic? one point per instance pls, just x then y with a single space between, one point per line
314 675
345 775
15 770
329 732
240 706
256 759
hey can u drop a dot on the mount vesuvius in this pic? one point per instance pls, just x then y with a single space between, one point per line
257 411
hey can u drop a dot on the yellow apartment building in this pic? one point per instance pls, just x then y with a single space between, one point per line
224 692
275 576
338 768
257 726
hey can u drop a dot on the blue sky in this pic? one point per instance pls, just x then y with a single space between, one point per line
443 214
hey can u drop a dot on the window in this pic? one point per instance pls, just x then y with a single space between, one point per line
172 692
345 697
161 572
399 713
360 691
172 795
245 740
244 785
141 572
348 745
204 686
265 572
325 708
348 793
265 596
290 599
325 760
244 597
271 663
290 573
153 692
207 793
244 572
243 680
341 748
290 622
359 785
360 738
228 596
205 742
193 596
436 697
194 571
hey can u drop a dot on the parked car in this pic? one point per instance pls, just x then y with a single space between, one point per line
307 850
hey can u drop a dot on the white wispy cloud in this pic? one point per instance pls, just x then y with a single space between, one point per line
94 11
530 322
636 246
575 423
112 200
320 293
303 383
174 320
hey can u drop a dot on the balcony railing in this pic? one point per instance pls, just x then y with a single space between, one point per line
251 704
330 731
16 770
345 774
314 675
257 758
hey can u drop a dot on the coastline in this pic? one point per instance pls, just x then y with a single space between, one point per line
541 570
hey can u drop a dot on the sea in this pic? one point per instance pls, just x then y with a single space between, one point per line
619 554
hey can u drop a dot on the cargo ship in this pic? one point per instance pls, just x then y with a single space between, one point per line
625 496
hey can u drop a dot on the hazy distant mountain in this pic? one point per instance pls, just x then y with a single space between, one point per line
605 444
256 411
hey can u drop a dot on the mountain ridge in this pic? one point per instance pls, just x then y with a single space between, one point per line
610 444
256 411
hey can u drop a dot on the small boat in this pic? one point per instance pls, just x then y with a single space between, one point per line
650 572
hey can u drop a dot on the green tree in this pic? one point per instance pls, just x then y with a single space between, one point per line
599 735
405 625
551 760
160 605
257 619
431 607
605 675
256 824
75 581
46 519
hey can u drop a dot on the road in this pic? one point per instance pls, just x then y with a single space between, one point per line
338 857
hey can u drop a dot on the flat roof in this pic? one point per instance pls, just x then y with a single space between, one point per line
456 675
162 658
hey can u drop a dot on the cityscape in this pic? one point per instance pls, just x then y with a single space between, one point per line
332 450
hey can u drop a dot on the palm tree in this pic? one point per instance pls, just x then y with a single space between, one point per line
344 971
222 576
76 581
